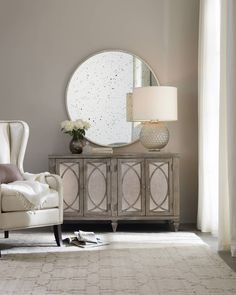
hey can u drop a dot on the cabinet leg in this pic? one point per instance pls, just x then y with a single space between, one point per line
114 225
174 225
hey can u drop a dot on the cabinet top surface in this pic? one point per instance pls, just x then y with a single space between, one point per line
114 155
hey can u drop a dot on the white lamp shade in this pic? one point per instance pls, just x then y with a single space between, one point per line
154 103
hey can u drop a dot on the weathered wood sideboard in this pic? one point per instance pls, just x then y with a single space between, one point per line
115 187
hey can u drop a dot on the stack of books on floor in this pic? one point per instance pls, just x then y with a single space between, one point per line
84 239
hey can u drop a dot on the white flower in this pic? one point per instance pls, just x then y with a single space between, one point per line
79 124
75 128
86 125
69 126
63 124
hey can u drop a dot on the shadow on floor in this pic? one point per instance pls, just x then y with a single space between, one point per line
122 227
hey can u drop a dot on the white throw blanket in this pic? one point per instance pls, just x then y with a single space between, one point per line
32 193
38 177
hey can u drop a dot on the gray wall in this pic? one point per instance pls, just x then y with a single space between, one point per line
42 41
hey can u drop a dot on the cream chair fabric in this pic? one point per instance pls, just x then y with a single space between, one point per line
13 214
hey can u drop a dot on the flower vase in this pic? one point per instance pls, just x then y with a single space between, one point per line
76 146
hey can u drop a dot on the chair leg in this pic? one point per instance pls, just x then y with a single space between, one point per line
57 234
6 234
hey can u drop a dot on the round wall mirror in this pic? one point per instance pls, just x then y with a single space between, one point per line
97 93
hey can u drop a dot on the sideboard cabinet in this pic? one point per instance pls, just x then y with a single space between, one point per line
119 187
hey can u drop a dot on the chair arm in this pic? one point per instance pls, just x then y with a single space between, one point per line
54 181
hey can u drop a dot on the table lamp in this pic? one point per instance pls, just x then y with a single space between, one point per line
153 105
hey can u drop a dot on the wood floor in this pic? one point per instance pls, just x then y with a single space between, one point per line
212 242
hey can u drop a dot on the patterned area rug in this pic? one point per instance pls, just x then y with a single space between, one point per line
165 263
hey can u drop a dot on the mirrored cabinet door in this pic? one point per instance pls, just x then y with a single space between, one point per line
131 187
159 197
72 180
97 193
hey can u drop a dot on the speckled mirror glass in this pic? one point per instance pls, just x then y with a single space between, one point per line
97 93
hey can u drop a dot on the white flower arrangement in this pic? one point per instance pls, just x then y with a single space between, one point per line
75 128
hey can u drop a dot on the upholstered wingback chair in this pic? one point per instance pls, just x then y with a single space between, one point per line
14 214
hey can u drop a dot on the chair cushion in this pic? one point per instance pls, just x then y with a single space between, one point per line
9 173
14 202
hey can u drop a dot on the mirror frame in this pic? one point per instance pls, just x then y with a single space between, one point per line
72 74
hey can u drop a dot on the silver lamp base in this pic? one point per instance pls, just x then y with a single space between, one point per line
154 136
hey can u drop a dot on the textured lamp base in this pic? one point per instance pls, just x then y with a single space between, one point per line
154 136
